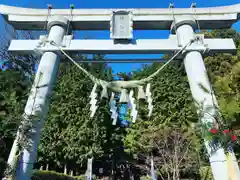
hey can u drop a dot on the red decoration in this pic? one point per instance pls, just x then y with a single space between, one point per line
226 131
234 137
214 131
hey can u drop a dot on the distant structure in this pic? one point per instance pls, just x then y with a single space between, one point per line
182 43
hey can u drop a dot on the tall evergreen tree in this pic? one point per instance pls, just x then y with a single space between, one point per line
70 136
13 95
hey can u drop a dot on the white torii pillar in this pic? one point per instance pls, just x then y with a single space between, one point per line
38 101
197 76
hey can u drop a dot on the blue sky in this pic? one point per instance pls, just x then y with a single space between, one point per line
120 4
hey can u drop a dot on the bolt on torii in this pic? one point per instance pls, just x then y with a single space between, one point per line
182 22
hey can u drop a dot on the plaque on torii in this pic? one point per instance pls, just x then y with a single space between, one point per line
182 22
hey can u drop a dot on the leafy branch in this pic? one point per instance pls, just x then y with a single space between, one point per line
25 131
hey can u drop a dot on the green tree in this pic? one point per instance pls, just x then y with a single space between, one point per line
224 73
173 106
13 95
174 149
172 100
70 136
171 94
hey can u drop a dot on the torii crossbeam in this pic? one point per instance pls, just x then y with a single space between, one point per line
121 22
98 19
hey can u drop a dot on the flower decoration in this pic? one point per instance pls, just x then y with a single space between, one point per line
225 137
226 131
234 137
213 130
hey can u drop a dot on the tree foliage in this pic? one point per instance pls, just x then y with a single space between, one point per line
224 73
13 96
173 106
173 103
70 136
173 149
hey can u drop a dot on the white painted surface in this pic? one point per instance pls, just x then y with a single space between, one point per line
223 16
13 152
144 46
196 72
38 101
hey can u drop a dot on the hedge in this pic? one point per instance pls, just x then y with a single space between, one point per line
52 175
206 173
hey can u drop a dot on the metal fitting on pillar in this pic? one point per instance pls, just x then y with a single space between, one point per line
57 20
183 20
57 25
185 27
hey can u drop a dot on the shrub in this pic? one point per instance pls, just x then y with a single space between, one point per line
52 175
145 178
206 173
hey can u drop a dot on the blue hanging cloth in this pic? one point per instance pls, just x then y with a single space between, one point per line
36 68
4 65
152 170
122 115
123 111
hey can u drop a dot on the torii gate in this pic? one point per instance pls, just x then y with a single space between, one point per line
181 21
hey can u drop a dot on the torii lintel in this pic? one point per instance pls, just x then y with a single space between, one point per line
99 19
